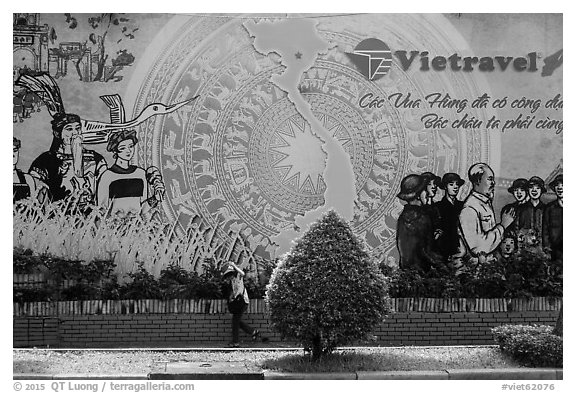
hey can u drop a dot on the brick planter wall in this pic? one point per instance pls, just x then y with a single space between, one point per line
171 326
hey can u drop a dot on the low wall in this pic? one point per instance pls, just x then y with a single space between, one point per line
184 323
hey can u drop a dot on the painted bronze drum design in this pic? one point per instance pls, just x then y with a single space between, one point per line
244 160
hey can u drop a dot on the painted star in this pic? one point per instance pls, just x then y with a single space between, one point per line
298 55
298 158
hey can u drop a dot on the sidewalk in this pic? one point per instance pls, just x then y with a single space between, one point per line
234 370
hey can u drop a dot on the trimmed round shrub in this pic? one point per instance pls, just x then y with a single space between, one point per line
327 291
531 345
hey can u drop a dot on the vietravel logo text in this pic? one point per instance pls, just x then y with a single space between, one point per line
373 58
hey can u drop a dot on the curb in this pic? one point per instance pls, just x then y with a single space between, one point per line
80 377
463 374
510 373
22 377
202 377
374 375
274 375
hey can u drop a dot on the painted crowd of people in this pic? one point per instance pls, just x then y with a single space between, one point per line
68 170
451 231
455 231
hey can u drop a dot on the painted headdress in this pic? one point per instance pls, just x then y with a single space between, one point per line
46 88
93 132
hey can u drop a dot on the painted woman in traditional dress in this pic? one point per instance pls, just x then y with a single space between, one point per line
125 188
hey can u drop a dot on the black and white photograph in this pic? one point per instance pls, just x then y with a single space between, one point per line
286 196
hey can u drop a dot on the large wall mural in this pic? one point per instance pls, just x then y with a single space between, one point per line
260 117
244 157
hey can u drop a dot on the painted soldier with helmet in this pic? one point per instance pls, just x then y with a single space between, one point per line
530 215
415 228
519 190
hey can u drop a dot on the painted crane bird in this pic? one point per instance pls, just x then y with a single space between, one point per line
93 132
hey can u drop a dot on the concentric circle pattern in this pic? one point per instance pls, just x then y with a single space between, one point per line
245 160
